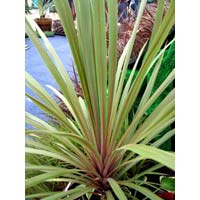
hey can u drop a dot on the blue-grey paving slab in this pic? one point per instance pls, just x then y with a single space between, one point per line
35 66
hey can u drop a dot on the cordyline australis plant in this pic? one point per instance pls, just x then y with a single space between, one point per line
100 152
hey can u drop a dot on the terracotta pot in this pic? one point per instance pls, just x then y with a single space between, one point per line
44 23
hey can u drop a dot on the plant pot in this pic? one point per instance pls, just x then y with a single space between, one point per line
44 23
167 195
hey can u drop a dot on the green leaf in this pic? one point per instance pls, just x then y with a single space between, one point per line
39 195
65 15
168 184
117 189
48 154
46 168
164 138
151 83
160 37
158 19
37 123
49 105
140 112
142 190
57 196
43 177
115 120
58 73
70 194
109 195
112 51
79 193
162 114
148 171
63 136
161 156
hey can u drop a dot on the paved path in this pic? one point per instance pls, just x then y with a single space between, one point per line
35 66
